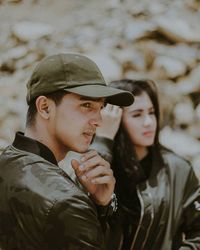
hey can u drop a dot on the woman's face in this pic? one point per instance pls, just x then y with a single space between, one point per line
140 122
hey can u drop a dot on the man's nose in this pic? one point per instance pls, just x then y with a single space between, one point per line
96 120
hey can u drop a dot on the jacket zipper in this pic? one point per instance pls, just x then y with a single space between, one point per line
141 218
121 243
152 217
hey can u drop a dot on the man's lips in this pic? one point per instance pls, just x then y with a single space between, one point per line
89 134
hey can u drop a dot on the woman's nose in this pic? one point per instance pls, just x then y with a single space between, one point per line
147 120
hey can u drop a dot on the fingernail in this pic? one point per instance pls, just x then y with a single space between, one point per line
83 178
82 158
81 166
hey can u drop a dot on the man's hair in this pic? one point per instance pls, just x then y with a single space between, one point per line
32 110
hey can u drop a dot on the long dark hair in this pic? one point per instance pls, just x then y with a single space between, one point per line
125 163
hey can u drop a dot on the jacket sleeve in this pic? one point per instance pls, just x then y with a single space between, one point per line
103 146
191 213
73 224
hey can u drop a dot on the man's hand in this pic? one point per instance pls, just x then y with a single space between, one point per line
111 116
96 176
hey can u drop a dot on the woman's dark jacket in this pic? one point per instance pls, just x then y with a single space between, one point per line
41 208
167 208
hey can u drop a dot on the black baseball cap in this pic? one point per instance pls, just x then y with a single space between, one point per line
73 73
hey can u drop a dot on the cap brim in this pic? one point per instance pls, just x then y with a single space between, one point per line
113 96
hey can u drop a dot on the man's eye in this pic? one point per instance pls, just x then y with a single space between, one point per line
87 105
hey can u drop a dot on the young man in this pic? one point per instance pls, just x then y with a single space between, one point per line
40 206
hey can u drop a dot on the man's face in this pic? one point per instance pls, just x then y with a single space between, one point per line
74 121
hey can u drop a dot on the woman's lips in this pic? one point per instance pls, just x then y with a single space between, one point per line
149 133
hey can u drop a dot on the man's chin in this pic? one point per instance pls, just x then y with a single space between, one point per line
82 149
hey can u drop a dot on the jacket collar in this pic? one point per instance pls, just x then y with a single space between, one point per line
25 143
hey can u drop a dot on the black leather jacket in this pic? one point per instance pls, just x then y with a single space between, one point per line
169 210
40 206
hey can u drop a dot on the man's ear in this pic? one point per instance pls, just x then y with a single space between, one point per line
43 106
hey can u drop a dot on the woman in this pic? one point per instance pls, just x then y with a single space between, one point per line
158 192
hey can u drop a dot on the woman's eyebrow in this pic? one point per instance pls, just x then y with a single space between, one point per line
135 110
140 110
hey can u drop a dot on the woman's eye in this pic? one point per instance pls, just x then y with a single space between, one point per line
152 112
136 115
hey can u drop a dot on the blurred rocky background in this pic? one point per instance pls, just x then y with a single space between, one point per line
157 39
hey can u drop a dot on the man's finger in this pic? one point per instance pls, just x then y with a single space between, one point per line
93 163
76 166
103 180
99 171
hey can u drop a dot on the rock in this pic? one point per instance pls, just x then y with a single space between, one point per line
11 87
29 60
26 31
180 142
16 53
194 129
137 29
169 67
168 89
3 108
108 66
130 59
7 66
194 5
178 29
14 1
190 83
136 75
156 7
182 52
113 3
9 127
144 8
184 112
197 112
10 57
168 97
